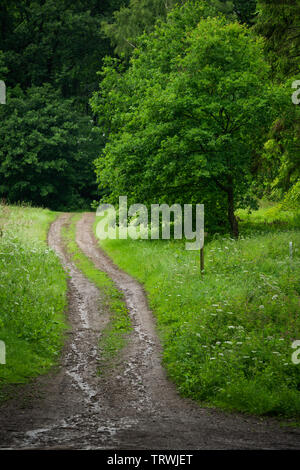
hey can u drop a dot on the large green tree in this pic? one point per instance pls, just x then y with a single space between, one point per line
45 154
187 118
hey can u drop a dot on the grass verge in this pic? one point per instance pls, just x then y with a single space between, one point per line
114 337
32 295
227 337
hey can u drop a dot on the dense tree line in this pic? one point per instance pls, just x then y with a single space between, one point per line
194 103
51 51
203 111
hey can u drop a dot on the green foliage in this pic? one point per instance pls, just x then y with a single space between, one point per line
279 163
227 335
45 154
140 16
3 68
50 45
186 119
245 10
278 21
292 198
133 20
54 42
241 10
32 294
277 169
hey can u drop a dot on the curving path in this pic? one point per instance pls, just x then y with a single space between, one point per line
132 407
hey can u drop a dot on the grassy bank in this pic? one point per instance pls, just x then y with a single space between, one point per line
227 336
32 295
115 335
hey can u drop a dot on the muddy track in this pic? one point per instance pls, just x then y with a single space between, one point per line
133 406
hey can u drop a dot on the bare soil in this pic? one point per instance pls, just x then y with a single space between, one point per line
133 406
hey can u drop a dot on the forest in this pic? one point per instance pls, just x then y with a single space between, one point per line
159 100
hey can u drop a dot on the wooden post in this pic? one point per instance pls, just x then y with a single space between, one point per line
202 260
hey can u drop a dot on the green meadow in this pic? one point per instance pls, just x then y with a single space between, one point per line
227 335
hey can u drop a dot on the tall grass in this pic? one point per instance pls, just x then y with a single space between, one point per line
32 294
227 336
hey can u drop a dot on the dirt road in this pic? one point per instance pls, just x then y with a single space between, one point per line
132 407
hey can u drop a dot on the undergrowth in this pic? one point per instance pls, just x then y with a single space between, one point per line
32 295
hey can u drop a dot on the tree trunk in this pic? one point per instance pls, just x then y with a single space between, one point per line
234 226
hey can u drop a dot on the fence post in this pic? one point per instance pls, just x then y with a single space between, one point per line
202 260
